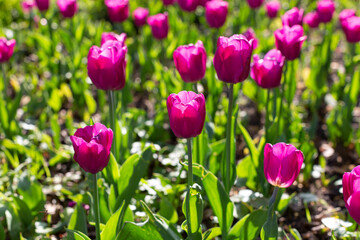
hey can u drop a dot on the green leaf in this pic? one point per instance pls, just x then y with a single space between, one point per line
196 209
249 226
2 232
78 220
32 194
269 230
25 213
111 172
212 233
143 231
76 235
113 226
168 211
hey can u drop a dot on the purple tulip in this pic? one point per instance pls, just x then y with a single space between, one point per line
118 10
168 2
203 2
215 13
186 113
293 17
190 61
27 5
43 5
6 49
92 146
255 3
110 36
67 8
159 24
325 10
140 15
267 72
312 19
282 164
346 13
189 5
272 8
106 65
351 191
289 41
232 58
351 28
250 35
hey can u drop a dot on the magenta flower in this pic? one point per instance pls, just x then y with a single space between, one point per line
289 41
6 49
27 5
189 5
67 8
267 72
272 8
92 146
43 5
110 36
250 35
351 28
186 113
312 19
215 13
232 58
255 3
351 191
106 65
325 10
190 61
118 10
140 15
346 13
203 2
293 17
282 164
159 24
168 2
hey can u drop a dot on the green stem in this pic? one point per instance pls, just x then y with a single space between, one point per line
273 197
228 139
4 78
267 115
282 98
113 120
96 207
190 183
274 103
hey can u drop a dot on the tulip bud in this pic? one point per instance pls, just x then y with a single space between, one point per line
203 2
159 24
293 17
325 10
190 61
186 113
6 49
351 191
27 5
267 72
92 146
351 28
67 8
272 8
312 19
140 15
110 36
232 58
168 2
289 41
43 5
189 5
215 13
250 35
118 10
346 13
106 65
255 3
282 164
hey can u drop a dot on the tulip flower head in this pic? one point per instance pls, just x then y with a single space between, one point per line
254 3
215 13
351 191
293 17
118 10
232 58
159 24
312 19
106 65
203 2
351 28
289 41
190 61
282 164
168 2
189 5
6 49
110 36
140 15
272 8
186 113
43 5
27 5
92 146
346 13
67 8
325 10
250 35
267 72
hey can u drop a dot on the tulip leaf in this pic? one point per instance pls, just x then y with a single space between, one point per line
78 220
212 233
167 210
76 235
111 172
196 209
113 225
136 231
